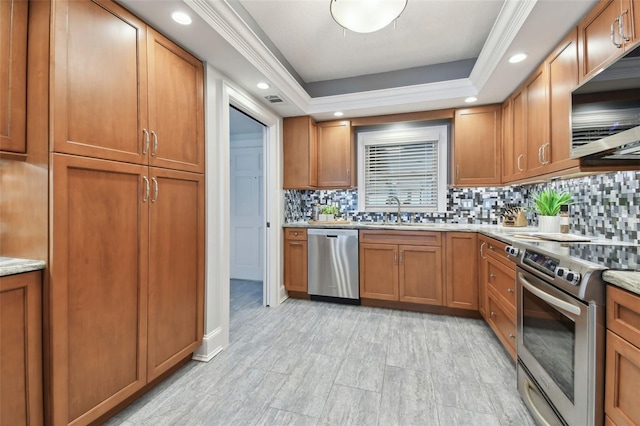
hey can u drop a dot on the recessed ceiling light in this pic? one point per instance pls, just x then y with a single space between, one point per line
181 18
471 99
262 85
338 113
518 57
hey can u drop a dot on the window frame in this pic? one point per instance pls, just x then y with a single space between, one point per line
439 133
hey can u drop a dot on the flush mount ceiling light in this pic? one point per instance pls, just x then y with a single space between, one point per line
181 18
471 99
262 85
366 16
518 57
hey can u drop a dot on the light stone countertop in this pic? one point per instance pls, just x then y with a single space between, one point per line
627 280
12 265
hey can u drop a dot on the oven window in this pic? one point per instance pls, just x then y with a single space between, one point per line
551 338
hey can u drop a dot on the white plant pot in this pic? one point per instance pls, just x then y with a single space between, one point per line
322 217
331 217
549 224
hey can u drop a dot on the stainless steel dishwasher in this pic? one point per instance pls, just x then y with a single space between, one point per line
333 265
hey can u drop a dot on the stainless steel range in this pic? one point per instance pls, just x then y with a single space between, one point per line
561 333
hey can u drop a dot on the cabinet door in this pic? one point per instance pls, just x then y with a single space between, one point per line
596 49
99 100
477 146
379 271
483 267
295 265
519 132
420 274
335 155
13 74
461 270
508 164
176 267
537 117
501 323
621 381
176 109
563 78
299 153
98 286
21 349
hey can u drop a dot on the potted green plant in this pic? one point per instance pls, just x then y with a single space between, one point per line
547 204
327 214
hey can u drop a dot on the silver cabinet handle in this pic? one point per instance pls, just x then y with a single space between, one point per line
540 160
613 35
295 243
155 144
146 192
146 142
621 27
510 290
395 257
511 335
544 153
349 175
492 276
481 250
493 314
401 256
155 190
520 168
457 171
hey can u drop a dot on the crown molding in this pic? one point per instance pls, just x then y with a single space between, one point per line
224 20
510 20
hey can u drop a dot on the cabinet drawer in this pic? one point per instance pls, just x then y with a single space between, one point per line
623 314
415 238
502 280
495 249
621 381
295 233
502 323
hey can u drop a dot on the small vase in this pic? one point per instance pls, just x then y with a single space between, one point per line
330 218
322 217
549 224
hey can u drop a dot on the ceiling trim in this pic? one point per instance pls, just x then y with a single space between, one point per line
460 88
222 18
225 20
509 22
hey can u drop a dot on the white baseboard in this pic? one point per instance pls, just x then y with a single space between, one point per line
212 345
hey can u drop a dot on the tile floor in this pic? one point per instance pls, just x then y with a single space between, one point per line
313 363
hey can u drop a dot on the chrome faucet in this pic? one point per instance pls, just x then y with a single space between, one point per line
397 200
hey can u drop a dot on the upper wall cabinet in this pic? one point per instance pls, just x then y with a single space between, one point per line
318 156
336 155
13 74
299 153
610 29
477 146
111 94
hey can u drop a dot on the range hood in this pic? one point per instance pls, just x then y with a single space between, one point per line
605 113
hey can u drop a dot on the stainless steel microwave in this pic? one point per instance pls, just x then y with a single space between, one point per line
605 113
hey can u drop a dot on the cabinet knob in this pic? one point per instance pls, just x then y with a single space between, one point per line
295 233
510 290
492 276
493 314
512 336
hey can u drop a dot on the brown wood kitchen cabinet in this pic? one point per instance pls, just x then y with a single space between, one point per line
21 400
609 30
403 266
477 146
299 153
136 98
537 121
622 370
461 270
336 155
13 75
295 260
497 282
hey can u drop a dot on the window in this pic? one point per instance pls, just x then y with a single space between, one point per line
410 164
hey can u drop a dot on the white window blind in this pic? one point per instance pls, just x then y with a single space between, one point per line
409 164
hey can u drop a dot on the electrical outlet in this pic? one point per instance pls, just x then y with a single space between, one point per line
466 204
487 203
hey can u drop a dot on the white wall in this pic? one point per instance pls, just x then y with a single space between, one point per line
220 92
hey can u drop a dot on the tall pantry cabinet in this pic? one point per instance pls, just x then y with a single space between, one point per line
126 135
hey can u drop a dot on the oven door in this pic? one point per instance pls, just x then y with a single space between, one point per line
555 344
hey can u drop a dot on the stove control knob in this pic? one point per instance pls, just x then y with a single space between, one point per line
568 275
513 251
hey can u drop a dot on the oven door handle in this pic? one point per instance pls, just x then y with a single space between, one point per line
554 301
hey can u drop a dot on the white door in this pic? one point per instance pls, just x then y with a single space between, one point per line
247 222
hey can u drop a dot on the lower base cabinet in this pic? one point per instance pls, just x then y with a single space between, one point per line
501 321
21 398
126 280
461 270
295 260
622 369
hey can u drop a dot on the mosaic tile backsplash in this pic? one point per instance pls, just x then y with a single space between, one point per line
606 205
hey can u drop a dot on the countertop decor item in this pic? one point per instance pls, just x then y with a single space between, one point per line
513 215
547 204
